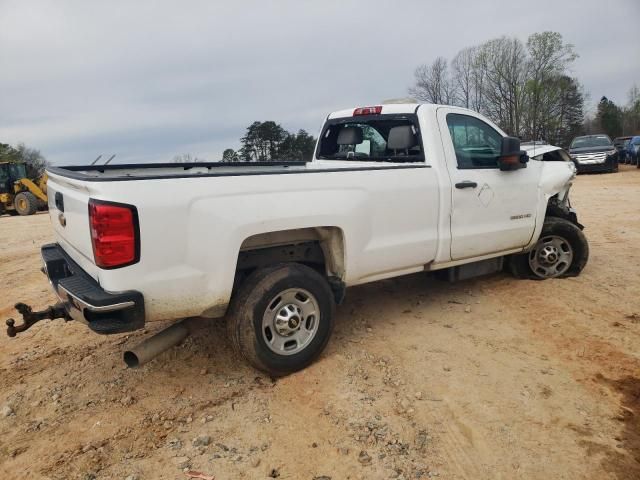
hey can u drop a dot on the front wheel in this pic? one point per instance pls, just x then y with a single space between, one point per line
561 251
281 318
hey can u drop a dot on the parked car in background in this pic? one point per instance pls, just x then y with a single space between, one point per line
621 145
594 153
633 151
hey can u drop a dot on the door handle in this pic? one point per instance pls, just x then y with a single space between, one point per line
466 184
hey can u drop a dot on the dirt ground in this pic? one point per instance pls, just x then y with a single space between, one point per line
492 378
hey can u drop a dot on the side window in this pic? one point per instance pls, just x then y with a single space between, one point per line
477 144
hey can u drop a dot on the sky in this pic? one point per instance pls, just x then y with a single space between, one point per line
148 80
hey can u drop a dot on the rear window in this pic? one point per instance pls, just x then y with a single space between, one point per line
592 141
386 138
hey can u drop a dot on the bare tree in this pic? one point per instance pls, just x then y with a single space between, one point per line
36 163
631 113
186 158
432 83
478 78
525 89
463 67
549 58
506 74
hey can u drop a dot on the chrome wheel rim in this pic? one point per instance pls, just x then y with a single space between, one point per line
551 257
290 321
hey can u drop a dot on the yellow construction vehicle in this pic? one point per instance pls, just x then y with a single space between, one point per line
18 194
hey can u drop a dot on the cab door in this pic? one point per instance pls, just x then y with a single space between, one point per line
492 210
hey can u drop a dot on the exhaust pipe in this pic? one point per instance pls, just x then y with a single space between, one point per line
155 345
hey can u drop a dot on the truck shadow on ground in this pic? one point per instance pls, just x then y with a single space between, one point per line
366 308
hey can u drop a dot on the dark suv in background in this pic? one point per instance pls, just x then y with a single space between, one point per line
621 145
633 151
594 153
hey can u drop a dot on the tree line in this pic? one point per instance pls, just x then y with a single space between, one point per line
34 160
525 87
615 120
265 141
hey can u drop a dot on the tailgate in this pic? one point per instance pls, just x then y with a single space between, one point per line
69 212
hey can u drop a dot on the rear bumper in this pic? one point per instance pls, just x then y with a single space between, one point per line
104 312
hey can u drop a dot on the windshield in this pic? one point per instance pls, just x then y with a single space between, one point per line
391 138
17 171
4 173
591 141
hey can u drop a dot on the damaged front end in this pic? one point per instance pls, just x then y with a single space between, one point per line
556 182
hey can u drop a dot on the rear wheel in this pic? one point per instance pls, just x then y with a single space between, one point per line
26 203
561 251
281 318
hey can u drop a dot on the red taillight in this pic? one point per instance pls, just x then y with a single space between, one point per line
368 110
114 234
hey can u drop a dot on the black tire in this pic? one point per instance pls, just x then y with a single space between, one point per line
250 305
520 265
25 203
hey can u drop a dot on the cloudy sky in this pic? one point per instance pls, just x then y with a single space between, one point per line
147 80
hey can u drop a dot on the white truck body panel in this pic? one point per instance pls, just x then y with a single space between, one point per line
360 203
394 218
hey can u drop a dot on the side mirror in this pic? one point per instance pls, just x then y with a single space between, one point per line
511 157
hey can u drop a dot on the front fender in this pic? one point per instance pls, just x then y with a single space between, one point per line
555 180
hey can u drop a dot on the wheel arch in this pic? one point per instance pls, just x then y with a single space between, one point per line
322 248
560 209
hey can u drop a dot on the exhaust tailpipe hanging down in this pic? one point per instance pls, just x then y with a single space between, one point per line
160 342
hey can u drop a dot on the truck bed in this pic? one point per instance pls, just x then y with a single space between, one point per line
195 218
153 171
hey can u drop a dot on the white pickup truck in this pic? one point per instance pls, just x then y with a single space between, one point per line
391 190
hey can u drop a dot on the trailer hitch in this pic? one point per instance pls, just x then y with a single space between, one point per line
30 318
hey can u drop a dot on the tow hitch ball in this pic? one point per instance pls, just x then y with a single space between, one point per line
30 318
